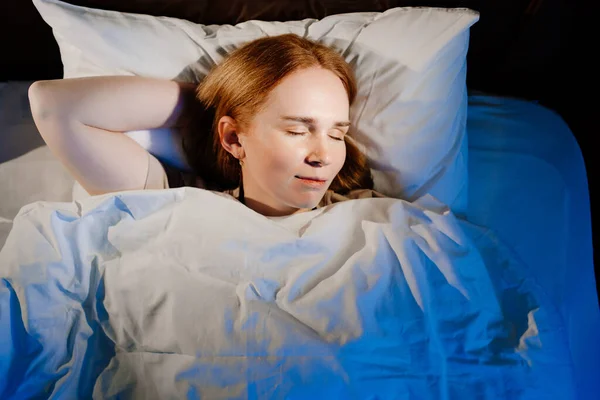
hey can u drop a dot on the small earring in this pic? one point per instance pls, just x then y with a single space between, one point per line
241 162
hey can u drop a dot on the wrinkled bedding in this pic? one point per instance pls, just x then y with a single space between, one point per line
186 293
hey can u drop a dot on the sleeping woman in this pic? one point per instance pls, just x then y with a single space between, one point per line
268 126
390 297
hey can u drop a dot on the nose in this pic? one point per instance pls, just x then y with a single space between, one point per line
319 153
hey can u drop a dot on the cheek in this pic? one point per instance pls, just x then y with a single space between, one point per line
340 157
278 157
285 158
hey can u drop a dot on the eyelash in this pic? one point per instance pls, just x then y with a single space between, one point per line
302 133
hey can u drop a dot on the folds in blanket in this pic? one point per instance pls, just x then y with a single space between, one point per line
52 333
15 341
185 291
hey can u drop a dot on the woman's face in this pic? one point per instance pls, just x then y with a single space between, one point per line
294 147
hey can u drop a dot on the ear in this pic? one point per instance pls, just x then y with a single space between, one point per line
229 136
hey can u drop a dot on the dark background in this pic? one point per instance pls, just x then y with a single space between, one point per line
533 49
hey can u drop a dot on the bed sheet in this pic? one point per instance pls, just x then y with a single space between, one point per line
527 181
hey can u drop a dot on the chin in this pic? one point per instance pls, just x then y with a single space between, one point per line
301 198
308 203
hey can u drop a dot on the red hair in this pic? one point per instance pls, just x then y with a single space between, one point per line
239 86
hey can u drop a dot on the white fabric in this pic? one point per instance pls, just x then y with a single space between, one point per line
188 293
410 64
34 176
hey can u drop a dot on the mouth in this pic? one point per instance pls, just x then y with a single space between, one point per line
310 178
312 181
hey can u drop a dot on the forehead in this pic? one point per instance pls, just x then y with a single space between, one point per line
313 92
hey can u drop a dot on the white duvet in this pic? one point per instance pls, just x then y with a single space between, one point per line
186 293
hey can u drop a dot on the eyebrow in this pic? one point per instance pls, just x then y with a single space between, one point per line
311 121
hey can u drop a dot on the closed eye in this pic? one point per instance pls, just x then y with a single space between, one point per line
295 133
341 139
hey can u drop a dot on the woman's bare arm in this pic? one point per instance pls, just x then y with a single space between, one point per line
82 120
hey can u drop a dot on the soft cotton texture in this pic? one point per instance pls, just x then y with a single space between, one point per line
147 294
410 63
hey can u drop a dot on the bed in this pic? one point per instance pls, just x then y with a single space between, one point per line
527 184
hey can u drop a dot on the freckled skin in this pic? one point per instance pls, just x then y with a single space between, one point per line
273 157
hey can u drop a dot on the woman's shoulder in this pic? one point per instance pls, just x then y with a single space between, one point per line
164 176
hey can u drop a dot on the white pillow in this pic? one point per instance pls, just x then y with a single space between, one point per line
410 64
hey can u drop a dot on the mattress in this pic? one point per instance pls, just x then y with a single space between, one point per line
527 183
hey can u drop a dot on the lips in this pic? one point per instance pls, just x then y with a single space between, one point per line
312 182
310 178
